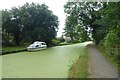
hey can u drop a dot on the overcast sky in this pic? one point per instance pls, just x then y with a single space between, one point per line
55 5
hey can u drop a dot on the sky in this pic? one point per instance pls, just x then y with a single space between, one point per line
54 5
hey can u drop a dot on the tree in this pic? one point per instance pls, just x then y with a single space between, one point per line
85 15
110 19
11 24
40 21
70 27
30 22
101 20
110 16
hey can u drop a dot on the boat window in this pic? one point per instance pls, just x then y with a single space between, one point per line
31 46
37 46
43 44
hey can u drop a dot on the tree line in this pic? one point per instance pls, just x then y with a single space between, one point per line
28 23
97 21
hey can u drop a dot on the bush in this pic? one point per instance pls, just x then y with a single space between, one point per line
55 42
112 43
75 41
61 39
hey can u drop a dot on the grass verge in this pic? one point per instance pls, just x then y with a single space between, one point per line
15 49
6 49
79 69
67 43
64 43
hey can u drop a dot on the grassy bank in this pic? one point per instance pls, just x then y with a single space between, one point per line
64 43
14 49
79 69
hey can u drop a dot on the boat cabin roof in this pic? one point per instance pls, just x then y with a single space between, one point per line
38 42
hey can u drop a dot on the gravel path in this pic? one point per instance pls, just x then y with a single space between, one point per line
100 67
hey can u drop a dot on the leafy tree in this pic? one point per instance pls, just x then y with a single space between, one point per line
111 21
30 22
70 27
41 22
101 20
110 16
85 15
11 24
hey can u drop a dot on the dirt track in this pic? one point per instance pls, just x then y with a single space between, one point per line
100 67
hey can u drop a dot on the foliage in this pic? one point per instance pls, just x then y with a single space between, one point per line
110 23
75 25
83 16
109 19
112 44
30 22
55 42
61 39
11 24
75 41
70 27
98 20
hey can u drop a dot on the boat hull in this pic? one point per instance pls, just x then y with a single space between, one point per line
36 49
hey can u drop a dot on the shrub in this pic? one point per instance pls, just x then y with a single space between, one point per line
112 43
55 42
75 41
61 39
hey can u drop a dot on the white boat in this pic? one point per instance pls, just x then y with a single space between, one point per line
37 46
